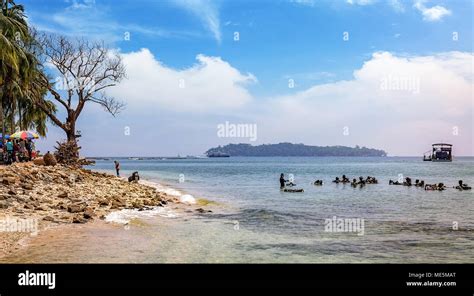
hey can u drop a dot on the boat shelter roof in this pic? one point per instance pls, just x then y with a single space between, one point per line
442 144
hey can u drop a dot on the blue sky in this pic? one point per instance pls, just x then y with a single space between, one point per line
279 40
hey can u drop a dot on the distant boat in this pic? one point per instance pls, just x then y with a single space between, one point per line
440 152
218 154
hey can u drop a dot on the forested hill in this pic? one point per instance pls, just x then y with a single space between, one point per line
289 149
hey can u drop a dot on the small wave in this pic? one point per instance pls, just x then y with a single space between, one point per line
187 198
184 198
124 216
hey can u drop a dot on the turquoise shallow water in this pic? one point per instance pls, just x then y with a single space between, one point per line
253 221
400 223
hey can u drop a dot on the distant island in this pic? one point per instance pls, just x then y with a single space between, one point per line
289 149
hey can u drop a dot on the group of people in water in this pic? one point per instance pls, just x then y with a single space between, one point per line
420 183
284 183
408 182
360 182
372 180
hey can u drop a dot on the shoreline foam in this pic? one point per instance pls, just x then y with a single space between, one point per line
183 197
126 215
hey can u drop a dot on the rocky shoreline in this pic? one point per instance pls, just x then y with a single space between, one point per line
38 196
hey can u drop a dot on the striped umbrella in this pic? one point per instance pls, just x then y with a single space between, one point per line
24 135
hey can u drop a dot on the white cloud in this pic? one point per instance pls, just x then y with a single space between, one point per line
399 103
433 14
88 19
77 4
360 2
303 2
403 120
397 5
310 76
313 2
207 12
211 85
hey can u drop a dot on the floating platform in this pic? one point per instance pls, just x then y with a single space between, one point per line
440 152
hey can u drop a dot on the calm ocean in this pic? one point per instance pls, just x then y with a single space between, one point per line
253 221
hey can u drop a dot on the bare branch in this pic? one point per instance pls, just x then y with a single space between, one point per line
87 70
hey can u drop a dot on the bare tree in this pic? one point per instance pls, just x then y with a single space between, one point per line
85 70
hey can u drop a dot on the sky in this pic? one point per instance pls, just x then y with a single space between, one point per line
392 75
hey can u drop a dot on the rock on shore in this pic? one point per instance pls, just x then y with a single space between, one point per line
69 195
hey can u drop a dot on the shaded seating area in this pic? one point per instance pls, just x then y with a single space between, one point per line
18 147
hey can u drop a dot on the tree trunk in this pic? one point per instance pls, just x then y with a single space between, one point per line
12 119
8 97
71 134
2 111
2 118
70 126
20 123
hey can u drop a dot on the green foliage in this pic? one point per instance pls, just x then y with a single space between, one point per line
20 73
289 149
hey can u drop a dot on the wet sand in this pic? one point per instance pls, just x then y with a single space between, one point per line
100 241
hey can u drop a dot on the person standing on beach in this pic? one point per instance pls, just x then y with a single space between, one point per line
16 150
10 148
28 149
117 168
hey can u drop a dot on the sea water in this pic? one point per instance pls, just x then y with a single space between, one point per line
252 220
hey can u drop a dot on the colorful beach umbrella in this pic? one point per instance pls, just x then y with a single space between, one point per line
6 136
24 135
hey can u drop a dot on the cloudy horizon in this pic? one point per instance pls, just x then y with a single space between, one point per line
391 75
